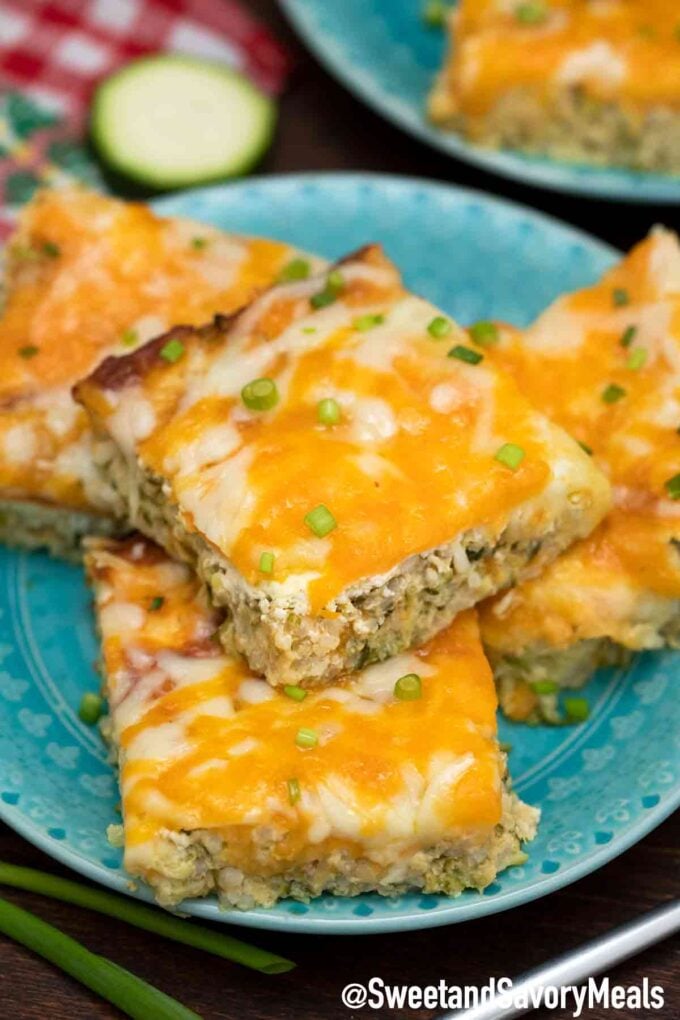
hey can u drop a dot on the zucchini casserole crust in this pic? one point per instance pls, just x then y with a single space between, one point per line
389 780
343 469
87 276
596 81
614 350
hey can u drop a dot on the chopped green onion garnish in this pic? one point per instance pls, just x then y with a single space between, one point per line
434 13
306 738
295 692
309 329
160 922
320 520
439 327
466 354
637 358
328 411
545 687
408 687
267 562
334 287
129 337
172 351
29 351
628 336
298 269
260 395
533 12
672 486
51 249
510 455
199 243
90 708
620 297
293 790
484 333
612 393
366 322
577 709
586 449
157 602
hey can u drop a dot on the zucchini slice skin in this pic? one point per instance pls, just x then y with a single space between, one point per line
172 121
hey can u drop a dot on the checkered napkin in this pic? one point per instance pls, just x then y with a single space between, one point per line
53 52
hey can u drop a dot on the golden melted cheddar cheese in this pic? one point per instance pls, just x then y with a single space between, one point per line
605 363
413 455
627 51
204 745
88 276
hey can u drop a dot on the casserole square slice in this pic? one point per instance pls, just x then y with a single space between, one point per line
233 788
342 469
585 81
86 276
604 363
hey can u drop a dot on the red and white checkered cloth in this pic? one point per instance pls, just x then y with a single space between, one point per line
53 52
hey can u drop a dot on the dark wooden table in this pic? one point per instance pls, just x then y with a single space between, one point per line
322 127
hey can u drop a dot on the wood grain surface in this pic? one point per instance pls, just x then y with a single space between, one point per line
321 128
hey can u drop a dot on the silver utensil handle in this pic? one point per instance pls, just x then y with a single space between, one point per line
579 964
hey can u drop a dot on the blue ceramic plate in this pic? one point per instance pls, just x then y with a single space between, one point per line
601 786
383 52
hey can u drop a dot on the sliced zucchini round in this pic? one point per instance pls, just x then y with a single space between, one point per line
172 121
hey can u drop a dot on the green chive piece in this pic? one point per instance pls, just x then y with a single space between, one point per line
29 351
408 687
90 708
637 358
320 520
484 333
672 486
335 284
199 243
267 562
306 738
328 411
366 322
466 354
620 297
116 985
51 249
434 13
545 687
295 692
612 393
160 922
129 338
577 709
172 351
322 299
157 602
260 395
293 790
586 449
439 327
297 269
628 336
309 329
534 12
510 455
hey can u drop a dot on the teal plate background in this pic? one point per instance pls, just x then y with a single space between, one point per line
601 786
383 52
